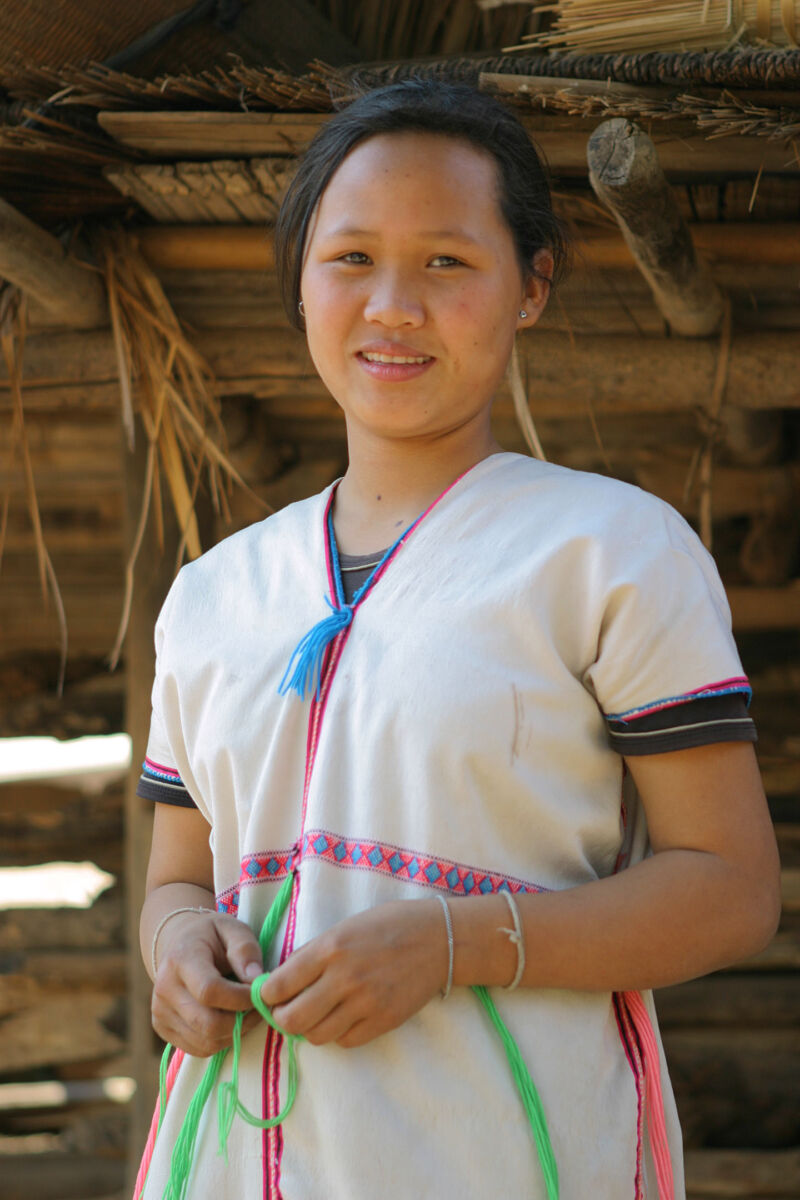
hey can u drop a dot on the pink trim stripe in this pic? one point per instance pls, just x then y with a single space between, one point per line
724 687
147 1156
162 770
633 1056
656 1122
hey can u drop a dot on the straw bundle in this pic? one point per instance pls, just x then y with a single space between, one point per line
170 385
640 25
13 327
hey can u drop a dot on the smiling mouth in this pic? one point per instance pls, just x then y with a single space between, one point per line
399 359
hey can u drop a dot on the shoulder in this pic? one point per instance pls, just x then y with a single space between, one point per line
247 562
583 503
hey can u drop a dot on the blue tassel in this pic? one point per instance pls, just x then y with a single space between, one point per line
304 672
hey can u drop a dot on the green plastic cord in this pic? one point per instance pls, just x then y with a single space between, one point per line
528 1094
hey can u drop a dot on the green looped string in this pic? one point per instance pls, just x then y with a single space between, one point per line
229 1104
528 1094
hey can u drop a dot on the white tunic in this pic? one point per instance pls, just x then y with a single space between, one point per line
461 744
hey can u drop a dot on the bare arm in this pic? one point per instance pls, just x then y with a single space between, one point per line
193 1001
709 895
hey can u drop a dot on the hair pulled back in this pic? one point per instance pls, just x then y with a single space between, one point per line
430 106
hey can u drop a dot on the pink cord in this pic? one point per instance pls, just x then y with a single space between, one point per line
656 1122
150 1145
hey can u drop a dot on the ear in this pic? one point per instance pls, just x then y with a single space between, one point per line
536 289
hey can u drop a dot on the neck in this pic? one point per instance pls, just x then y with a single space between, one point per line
389 483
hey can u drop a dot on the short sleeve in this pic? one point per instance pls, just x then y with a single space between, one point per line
667 673
160 779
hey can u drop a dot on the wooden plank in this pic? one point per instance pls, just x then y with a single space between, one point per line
731 998
735 1087
763 608
205 135
59 1176
684 154
743 1174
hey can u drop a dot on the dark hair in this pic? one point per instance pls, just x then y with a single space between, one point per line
430 106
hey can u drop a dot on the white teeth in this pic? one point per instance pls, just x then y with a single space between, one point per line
388 358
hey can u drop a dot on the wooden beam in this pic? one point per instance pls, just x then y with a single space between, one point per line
627 177
685 154
153 576
37 263
245 248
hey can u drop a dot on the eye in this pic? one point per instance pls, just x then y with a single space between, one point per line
445 260
354 258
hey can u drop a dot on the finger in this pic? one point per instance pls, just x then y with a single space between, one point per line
208 988
292 977
359 1033
240 948
186 1024
334 1026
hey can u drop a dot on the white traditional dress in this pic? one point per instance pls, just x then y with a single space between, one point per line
466 739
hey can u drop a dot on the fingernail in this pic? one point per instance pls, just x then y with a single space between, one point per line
251 971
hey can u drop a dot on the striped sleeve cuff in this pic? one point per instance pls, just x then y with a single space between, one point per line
163 784
680 723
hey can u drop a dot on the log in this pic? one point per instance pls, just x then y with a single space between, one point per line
731 998
735 1087
52 1032
617 374
56 824
742 1174
243 248
626 176
37 263
100 927
57 1176
38 977
763 608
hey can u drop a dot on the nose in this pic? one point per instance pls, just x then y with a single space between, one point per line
394 301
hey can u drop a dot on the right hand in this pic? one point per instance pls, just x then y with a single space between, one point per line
193 1004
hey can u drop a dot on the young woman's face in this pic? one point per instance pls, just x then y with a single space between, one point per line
411 286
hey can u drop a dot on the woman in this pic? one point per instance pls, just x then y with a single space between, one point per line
534 686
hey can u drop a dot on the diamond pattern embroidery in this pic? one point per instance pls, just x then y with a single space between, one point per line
455 878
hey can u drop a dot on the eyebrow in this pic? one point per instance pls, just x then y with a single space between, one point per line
456 235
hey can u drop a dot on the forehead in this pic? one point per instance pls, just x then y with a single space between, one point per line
410 176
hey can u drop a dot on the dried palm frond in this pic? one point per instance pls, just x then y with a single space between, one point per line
13 325
168 383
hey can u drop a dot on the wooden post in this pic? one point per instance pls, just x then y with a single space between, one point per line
154 573
37 263
626 175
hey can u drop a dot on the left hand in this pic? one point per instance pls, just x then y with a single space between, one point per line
362 977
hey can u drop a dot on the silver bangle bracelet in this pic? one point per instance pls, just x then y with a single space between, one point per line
515 936
154 945
450 946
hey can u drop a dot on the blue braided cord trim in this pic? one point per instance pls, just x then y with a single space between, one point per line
683 698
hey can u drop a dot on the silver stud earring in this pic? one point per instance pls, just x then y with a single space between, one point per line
300 308
522 314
